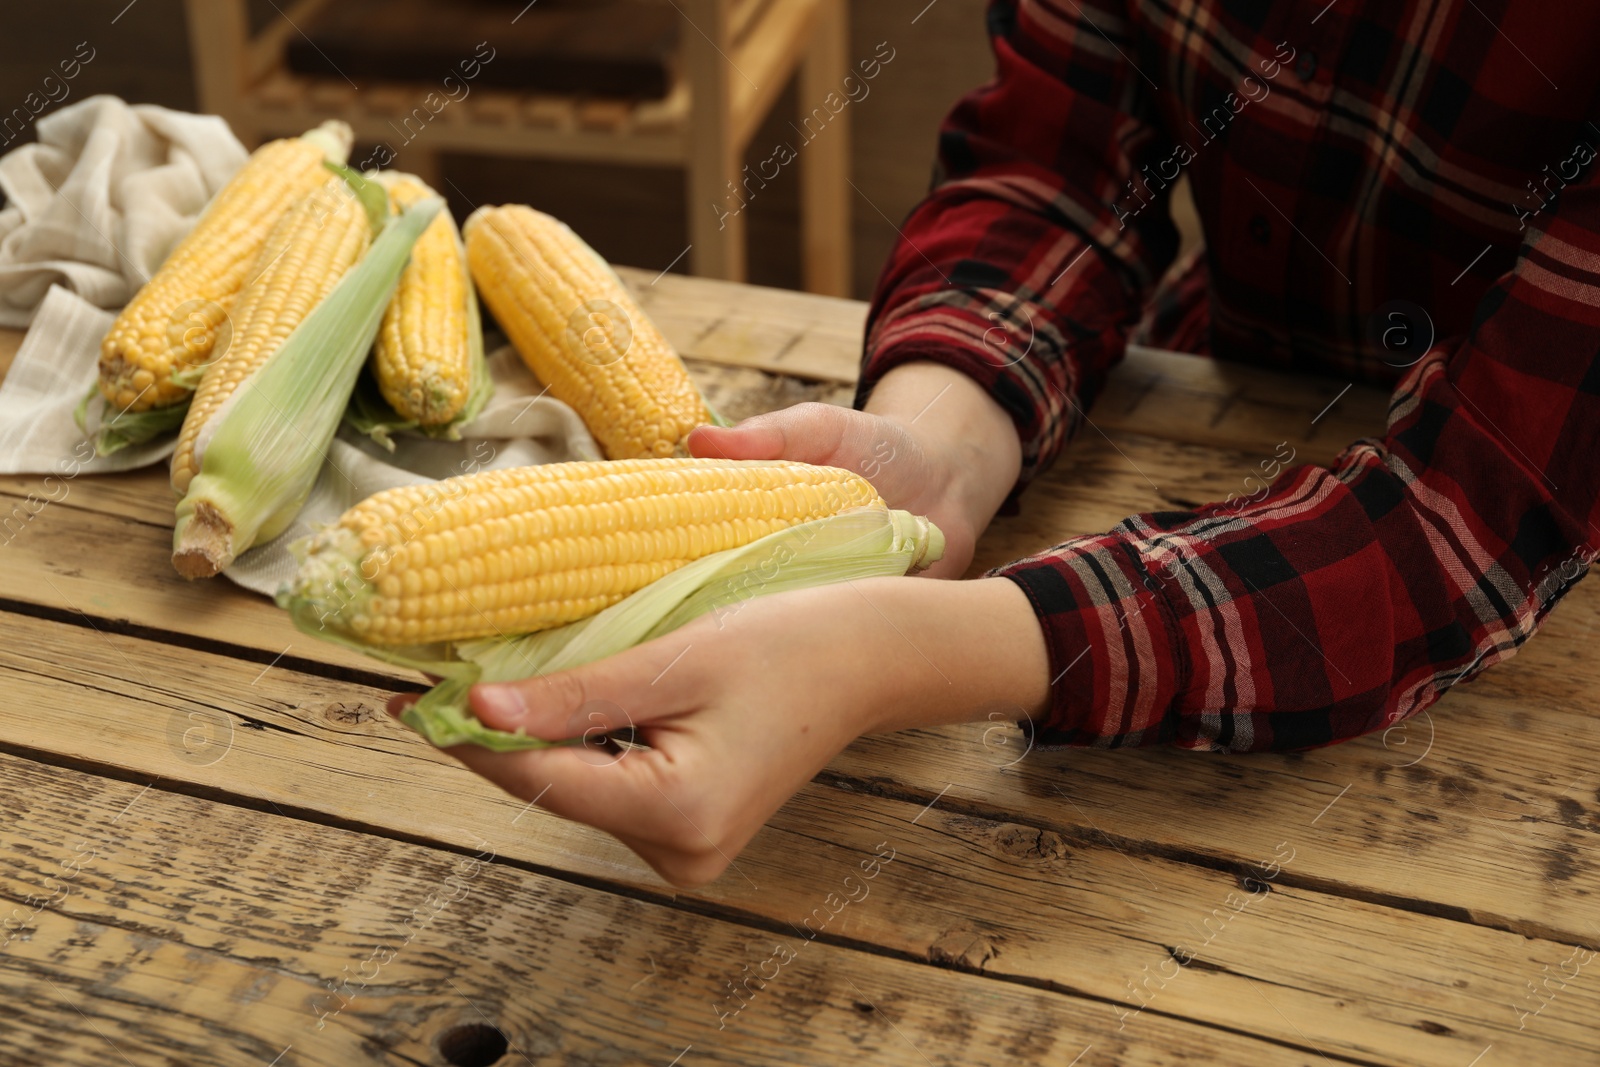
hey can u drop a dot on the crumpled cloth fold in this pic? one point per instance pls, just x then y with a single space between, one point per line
97 203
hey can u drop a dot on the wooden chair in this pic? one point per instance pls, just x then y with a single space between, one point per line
736 58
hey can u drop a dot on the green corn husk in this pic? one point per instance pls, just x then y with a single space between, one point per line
126 428
268 442
864 543
368 193
372 416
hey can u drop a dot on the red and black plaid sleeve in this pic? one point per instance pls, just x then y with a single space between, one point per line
1345 598
1018 269
1350 598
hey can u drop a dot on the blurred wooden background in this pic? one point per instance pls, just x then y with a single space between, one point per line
632 215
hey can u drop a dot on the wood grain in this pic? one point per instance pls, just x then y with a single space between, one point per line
183 930
114 567
1434 872
746 325
76 557
1030 895
1180 398
1504 759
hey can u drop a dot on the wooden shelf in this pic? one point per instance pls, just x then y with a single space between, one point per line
492 122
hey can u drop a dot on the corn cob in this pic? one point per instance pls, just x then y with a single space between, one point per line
310 248
260 454
496 543
508 552
580 332
171 324
423 359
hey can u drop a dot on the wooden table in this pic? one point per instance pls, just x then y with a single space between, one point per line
219 850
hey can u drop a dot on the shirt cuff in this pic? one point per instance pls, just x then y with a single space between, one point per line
1117 658
1028 387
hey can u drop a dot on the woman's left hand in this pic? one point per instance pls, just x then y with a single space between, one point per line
739 709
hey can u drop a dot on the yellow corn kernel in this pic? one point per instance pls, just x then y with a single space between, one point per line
503 553
422 359
309 249
171 324
580 332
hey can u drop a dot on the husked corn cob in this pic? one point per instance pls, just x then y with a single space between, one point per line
171 324
310 248
423 358
509 552
577 328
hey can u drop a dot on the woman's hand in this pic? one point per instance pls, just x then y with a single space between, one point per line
931 441
742 708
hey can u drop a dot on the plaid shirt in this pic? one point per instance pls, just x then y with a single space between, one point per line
1343 156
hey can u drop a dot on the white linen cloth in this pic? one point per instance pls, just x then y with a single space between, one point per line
102 197
97 208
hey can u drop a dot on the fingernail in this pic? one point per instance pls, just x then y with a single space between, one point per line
502 702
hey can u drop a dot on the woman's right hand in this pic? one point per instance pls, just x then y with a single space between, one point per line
931 442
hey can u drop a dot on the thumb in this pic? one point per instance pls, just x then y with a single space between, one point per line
744 441
635 686
806 433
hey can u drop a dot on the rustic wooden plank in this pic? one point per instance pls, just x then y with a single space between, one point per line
1350 979
114 571
143 495
81 555
96 567
180 929
1354 979
1164 394
1204 401
747 325
740 392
